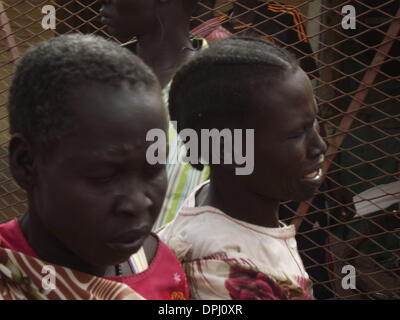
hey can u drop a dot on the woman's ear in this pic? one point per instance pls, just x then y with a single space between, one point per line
21 161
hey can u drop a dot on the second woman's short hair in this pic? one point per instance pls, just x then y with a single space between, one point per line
215 88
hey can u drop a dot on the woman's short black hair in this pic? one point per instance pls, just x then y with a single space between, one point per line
50 71
215 88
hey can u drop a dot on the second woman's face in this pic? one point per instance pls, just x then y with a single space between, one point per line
126 19
289 152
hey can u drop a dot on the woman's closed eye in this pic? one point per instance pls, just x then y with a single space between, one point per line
152 171
102 177
300 133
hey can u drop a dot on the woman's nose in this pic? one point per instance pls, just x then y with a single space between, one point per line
317 146
133 202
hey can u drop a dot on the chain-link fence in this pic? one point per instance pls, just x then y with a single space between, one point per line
349 234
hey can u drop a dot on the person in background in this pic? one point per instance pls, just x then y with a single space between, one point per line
158 32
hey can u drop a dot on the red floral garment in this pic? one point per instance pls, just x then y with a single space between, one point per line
250 284
225 258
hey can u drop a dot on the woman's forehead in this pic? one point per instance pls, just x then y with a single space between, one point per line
285 102
291 89
107 113
113 101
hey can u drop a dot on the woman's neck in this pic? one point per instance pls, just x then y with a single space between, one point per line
50 249
165 51
239 202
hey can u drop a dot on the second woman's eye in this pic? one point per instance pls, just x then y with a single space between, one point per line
152 171
298 134
102 177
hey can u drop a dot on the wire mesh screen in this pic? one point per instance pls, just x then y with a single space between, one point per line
349 233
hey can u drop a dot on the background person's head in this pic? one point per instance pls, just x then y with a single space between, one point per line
126 19
80 108
245 83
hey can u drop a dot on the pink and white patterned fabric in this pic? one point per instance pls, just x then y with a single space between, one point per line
225 258
211 30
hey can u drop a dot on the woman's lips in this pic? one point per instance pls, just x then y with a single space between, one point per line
128 247
317 174
105 20
128 242
105 16
313 179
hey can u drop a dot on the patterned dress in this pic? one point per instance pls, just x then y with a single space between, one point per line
225 258
23 275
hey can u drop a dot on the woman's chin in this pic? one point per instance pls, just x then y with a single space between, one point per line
122 38
304 195
112 31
